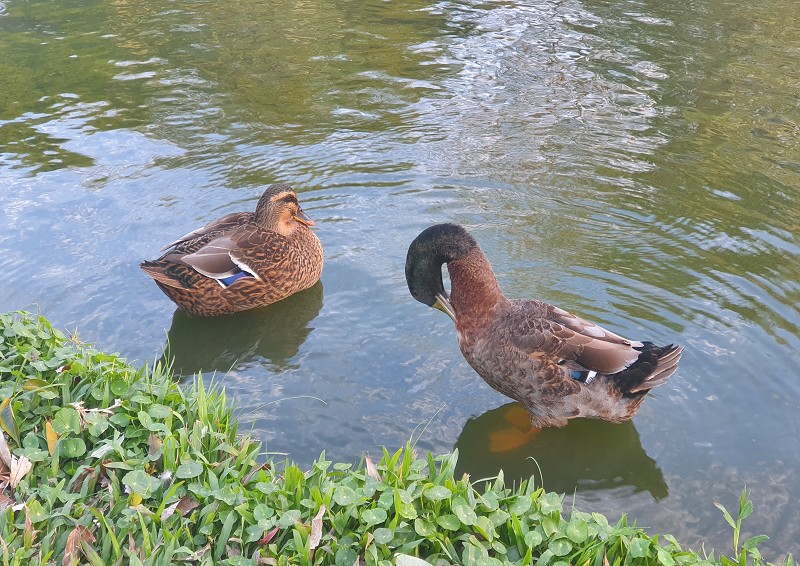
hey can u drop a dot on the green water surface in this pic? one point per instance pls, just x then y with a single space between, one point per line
635 162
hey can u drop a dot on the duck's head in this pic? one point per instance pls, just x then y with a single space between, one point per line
434 247
279 210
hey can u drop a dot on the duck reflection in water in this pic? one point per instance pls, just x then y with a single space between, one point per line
586 455
274 333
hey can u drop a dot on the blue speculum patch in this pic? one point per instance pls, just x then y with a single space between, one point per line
228 281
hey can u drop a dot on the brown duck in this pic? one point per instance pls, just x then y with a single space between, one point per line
558 365
243 260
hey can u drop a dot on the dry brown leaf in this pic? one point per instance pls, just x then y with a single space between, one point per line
72 550
232 551
316 529
5 453
77 483
83 411
29 534
169 511
372 471
19 469
249 476
153 445
5 501
186 505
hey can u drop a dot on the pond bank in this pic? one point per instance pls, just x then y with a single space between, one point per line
104 463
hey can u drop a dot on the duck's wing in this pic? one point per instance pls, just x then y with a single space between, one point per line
224 224
545 331
249 249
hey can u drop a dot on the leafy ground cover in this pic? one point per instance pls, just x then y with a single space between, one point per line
104 463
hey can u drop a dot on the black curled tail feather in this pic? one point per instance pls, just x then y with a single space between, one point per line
652 368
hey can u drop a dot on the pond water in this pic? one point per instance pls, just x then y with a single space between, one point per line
635 162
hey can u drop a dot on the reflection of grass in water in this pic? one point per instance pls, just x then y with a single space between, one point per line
274 333
584 455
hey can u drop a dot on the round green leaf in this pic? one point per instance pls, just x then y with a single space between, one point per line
72 447
665 557
266 487
550 502
560 546
383 535
424 528
289 518
577 531
159 411
67 420
345 496
373 516
138 481
449 522
345 556
485 527
190 469
119 387
96 423
520 505
437 493
639 547
463 511
533 538
405 509
262 512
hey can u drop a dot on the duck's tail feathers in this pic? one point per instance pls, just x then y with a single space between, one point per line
667 364
165 273
652 368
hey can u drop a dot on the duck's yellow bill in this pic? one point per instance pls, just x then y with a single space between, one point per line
444 305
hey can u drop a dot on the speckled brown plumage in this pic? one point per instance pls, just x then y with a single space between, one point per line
273 252
557 364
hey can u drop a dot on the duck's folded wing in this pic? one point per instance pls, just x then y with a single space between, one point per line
215 259
248 248
569 339
227 222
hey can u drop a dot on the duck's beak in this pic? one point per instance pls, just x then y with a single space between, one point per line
303 218
444 305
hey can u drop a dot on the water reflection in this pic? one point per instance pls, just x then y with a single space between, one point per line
586 455
274 333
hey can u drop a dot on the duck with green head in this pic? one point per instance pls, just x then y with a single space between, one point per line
558 365
243 260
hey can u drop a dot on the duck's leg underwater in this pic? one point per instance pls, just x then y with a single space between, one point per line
519 433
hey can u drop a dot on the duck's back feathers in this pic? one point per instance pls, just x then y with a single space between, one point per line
551 330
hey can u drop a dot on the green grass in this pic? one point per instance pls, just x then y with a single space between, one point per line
127 467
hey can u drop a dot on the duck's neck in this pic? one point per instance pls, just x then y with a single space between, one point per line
474 293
